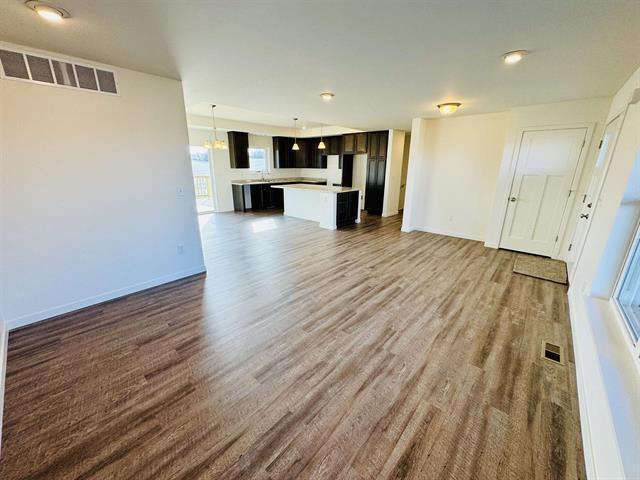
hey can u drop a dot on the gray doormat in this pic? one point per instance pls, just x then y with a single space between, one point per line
540 267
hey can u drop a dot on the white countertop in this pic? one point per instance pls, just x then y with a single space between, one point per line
259 181
318 188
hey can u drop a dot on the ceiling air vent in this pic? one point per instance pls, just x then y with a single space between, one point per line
44 70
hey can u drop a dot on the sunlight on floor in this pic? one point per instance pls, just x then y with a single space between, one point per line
263 225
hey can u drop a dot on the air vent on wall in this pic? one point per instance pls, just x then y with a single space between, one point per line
44 70
552 352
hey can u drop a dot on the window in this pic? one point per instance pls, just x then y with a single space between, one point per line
628 291
202 179
258 160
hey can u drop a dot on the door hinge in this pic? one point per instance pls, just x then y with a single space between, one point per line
600 145
570 246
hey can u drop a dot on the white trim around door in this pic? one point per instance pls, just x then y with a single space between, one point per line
517 232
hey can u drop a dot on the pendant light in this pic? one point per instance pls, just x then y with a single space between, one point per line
295 135
321 145
216 144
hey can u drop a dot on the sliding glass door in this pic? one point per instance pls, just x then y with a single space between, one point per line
202 179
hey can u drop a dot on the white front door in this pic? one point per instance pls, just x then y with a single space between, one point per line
590 198
541 188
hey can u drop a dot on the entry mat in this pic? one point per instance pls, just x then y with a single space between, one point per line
541 267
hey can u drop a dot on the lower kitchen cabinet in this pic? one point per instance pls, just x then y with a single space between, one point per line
347 208
260 196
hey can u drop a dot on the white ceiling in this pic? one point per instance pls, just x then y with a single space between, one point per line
245 115
387 61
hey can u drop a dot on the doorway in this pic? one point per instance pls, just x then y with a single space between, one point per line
605 150
202 181
541 190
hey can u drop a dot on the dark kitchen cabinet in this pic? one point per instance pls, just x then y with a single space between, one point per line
377 144
282 153
333 144
315 158
301 156
277 197
376 169
346 165
354 143
238 149
349 143
361 142
260 196
346 208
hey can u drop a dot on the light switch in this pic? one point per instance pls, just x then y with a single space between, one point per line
180 191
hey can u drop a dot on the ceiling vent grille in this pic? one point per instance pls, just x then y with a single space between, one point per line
29 67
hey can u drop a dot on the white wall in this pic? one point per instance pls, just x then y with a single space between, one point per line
608 377
403 173
393 173
90 207
460 168
453 166
4 340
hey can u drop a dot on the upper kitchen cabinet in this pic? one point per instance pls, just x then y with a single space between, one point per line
316 158
238 149
354 143
334 145
361 142
377 144
349 143
301 156
282 153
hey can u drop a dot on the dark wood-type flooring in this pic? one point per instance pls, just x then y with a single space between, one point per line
363 353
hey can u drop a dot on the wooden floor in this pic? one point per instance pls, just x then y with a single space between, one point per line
363 353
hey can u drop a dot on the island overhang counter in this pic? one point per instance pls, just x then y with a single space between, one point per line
331 207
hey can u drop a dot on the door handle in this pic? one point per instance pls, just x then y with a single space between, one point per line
584 215
512 199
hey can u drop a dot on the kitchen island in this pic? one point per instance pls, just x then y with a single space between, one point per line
258 194
332 207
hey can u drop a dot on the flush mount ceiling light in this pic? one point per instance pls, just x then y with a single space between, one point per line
295 135
448 108
513 57
327 95
215 143
47 11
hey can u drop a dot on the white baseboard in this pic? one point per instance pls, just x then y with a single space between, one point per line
599 439
390 214
449 233
30 318
4 347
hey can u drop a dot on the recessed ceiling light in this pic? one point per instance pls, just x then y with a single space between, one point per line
514 57
47 11
327 95
448 108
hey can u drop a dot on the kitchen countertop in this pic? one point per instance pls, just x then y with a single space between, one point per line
259 181
318 188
